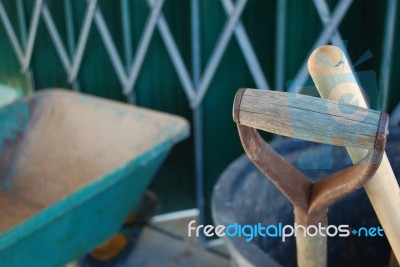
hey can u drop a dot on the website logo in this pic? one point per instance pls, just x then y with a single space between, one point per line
280 231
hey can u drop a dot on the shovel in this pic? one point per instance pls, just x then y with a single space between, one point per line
318 120
334 80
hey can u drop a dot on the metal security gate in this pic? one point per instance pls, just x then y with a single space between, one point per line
196 82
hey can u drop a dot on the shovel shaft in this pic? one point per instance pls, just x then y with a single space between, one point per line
311 250
334 79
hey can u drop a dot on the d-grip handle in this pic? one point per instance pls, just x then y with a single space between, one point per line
310 200
308 118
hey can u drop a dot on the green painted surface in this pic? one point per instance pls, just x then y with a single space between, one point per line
9 94
55 232
104 202
158 86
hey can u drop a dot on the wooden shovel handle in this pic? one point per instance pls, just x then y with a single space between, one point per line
308 118
334 79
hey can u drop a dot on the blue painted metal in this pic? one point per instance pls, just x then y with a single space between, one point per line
69 26
9 94
143 46
127 42
174 54
11 34
198 116
56 38
82 40
218 52
280 45
12 120
247 48
32 34
323 38
387 49
324 14
110 46
76 223
21 22
23 35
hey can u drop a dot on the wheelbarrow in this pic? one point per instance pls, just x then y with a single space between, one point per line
72 167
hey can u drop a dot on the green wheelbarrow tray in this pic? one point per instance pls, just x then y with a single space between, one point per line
71 168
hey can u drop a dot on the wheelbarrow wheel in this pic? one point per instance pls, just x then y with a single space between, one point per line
118 247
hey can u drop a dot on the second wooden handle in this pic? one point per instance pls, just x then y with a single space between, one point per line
334 79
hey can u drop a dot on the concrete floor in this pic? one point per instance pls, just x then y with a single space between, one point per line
159 249
165 242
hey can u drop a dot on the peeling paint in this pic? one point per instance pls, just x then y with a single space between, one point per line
13 120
